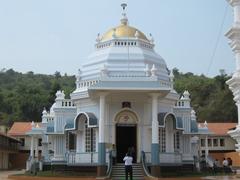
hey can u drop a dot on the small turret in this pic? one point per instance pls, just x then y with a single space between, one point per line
171 76
185 100
154 70
44 115
147 70
98 39
151 39
104 71
137 35
60 96
193 115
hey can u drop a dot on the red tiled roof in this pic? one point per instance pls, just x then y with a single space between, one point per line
220 128
20 128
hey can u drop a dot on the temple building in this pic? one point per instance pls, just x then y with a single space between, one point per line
124 97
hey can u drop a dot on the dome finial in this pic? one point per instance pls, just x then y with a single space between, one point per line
124 19
124 5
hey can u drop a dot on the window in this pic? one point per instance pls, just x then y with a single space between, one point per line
222 142
162 139
215 142
209 142
90 139
177 141
126 104
40 142
202 142
22 140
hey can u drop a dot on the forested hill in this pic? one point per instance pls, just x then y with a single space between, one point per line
23 96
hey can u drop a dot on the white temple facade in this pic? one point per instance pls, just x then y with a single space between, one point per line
124 96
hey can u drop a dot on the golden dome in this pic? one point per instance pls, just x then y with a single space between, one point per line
123 31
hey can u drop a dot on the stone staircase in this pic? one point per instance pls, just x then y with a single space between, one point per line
118 172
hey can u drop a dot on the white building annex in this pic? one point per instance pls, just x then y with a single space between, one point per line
124 96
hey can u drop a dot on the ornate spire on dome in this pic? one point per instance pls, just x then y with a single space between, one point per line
98 39
151 39
114 33
124 20
147 70
153 70
137 34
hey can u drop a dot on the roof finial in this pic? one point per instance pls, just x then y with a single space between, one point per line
124 5
124 19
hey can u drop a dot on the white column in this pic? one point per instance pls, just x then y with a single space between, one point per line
102 118
206 147
36 148
101 131
237 57
155 138
32 147
236 12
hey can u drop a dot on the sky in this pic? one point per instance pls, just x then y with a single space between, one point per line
45 36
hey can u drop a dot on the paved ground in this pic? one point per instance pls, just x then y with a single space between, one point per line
4 174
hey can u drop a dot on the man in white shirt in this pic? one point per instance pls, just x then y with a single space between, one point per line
225 164
128 165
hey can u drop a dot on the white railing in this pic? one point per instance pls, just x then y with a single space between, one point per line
165 157
84 158
67 103
86 84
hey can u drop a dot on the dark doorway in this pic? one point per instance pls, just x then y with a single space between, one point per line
125 139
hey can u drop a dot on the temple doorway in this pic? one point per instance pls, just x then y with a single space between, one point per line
126 140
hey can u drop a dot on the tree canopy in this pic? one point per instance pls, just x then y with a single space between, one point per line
24 95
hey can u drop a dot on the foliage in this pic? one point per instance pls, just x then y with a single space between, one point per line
23 96
210 97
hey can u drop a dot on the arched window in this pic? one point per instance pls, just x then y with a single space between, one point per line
162 139
90 139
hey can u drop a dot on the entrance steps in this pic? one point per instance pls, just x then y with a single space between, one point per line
118 172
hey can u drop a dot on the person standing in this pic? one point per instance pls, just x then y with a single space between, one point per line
114 154
128 165
225 165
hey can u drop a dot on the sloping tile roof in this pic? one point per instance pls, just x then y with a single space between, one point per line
220 128
20 128
5 135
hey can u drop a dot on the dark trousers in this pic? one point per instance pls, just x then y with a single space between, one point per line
128 170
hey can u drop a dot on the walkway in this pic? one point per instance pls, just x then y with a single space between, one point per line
5 174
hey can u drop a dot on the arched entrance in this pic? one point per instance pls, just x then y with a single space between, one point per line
126 134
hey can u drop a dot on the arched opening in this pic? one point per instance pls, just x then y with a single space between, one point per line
170 131
82 133
126 134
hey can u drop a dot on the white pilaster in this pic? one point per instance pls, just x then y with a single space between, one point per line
32 147
36 148
78 143
206 147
